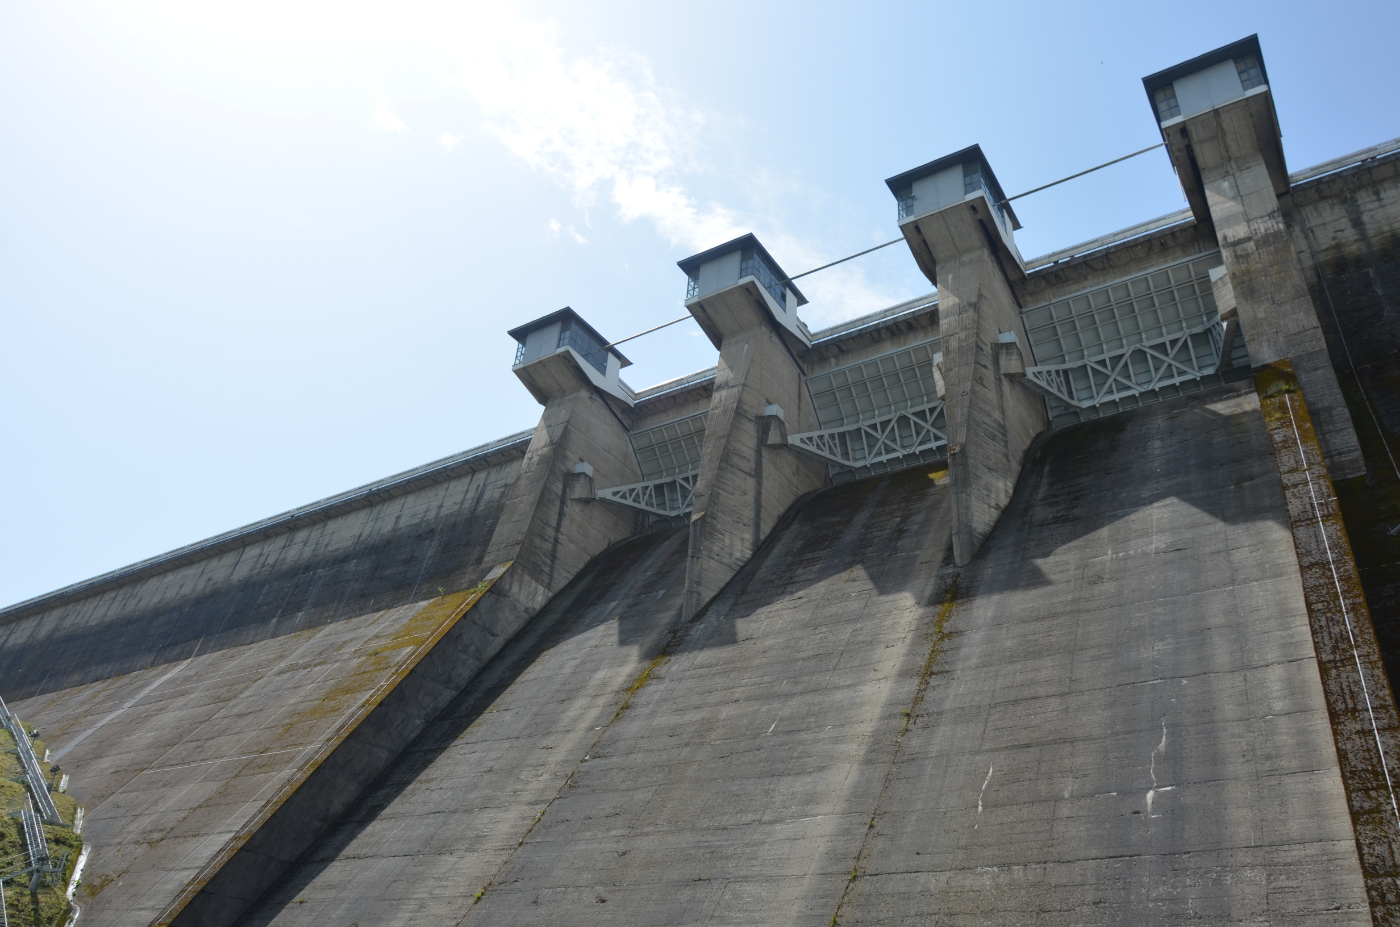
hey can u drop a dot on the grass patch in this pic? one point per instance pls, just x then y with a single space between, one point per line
47 906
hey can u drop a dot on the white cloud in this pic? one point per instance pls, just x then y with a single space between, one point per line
599 123
384 118
603 128
555 228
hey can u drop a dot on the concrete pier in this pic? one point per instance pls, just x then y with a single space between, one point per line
1226 147
747 480
966 250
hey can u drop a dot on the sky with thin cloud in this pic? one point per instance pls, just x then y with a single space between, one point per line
256 253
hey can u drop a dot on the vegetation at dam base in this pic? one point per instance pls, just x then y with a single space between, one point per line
48 905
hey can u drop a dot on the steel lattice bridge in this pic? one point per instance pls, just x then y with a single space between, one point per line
888 437
1134 369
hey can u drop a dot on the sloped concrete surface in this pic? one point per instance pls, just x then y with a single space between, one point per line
1115 718
388 552
189 703
734 787
1129 727
439 823
172 762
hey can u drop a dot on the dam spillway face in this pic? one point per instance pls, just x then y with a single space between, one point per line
1064 594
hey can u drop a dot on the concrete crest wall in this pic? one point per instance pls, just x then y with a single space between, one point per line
366 555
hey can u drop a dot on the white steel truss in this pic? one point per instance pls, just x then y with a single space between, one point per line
893 435
1133 369
669 496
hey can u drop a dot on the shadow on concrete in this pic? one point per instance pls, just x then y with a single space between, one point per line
115 633
854 526
1080 479
1358 303
637 583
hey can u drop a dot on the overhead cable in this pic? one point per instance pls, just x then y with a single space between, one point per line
898 240
648 331
1082 173
841 261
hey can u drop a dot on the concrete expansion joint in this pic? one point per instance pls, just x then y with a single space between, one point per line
937 634
643 677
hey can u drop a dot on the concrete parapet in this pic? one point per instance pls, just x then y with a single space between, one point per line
991 417
746 482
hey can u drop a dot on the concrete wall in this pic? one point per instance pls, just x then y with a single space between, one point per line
1231 153
1114 715
1126 723
179 765
1346 228
991 418
385 550
456 804
728 781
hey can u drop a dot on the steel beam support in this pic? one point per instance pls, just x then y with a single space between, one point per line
1134 369
670 496
908 431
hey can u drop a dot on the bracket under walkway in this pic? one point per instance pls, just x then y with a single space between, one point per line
670 496
888 437
1136 369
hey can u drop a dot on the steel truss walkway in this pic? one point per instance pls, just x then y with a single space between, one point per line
891 436
33 774
1134 369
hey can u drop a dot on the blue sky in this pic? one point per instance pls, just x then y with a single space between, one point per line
256 253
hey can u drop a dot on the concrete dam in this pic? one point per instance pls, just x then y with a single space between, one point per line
1065 594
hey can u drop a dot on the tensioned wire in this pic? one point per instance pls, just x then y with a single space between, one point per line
896 241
